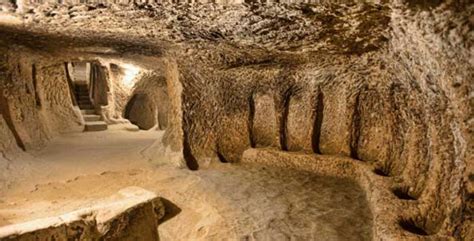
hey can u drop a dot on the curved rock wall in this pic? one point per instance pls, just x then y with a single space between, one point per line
141 111
149 104
431 51
405 132
387 85
35 106
38 98
117 93
405 109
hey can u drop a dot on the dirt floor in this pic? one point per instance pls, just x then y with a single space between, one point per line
225 202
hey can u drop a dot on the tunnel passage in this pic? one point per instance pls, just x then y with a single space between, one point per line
141 111
385 87
89 85
149 104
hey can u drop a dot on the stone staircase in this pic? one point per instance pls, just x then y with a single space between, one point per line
93 121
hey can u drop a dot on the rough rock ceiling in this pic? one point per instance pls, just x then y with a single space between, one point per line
392 86
144 28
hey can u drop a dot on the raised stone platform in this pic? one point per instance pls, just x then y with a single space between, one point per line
132 215
95 126
392 215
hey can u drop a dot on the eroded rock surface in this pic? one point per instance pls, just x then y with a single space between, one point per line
132 214
387 85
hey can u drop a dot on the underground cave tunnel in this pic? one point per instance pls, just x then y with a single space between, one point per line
236 120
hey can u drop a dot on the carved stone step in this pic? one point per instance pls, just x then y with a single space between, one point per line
95 126
88 111
92 117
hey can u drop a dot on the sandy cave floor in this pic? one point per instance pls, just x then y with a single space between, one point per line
225 202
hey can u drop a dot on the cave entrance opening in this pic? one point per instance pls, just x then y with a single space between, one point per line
89 84
148 105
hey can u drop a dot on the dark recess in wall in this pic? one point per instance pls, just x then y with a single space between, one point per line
284 119
403 193
251 105
356 125
423 4
220 156
129 106
318 122
35 85
191 161
410 226
70 85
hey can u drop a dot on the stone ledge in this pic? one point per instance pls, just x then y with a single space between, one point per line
133 217
386 208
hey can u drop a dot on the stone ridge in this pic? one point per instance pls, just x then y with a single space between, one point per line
136 211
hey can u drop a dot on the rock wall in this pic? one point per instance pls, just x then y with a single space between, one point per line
141 111
35 106
376 116
100 83
117 94
57 109
386 85
37 100
430 49
149 104
174 147
289 108
404 109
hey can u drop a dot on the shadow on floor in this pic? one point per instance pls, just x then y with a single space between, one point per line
171 210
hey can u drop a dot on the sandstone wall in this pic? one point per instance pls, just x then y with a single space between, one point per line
174 148
36 98
35 105
371 114
405 110
100 85
9 139
149 104
432 51
388 86
57 108
308 107
117 94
